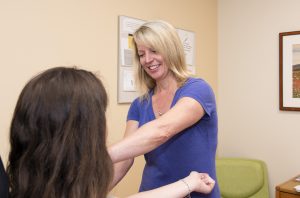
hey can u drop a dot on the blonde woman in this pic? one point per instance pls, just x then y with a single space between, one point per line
174 122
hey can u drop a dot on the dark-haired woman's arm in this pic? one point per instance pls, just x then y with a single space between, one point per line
121 168
195 182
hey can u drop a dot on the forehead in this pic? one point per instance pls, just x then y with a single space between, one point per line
142 47
143 43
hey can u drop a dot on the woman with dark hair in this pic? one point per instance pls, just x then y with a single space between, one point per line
57 136
58 141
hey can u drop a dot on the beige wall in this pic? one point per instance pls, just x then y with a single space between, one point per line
36 35
251 124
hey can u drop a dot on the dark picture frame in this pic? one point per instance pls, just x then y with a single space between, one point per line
289 71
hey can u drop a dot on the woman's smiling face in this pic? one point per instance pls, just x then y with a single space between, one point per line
152 62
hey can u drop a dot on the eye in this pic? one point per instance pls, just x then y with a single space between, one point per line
153 51
140 55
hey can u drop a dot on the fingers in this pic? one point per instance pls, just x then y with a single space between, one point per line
208 180
203 175
201 182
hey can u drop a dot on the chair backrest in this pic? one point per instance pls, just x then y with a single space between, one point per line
242 178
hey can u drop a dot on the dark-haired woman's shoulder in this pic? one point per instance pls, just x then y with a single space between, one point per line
3 181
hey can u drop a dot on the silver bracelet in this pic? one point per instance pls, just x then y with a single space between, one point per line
189 190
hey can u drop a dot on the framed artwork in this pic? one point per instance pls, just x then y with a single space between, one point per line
289 71
127 90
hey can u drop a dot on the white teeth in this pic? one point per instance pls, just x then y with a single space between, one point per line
152 67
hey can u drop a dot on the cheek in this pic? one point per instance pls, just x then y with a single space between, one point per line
142 62
144 67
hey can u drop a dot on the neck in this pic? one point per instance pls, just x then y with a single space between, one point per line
163 95
168 85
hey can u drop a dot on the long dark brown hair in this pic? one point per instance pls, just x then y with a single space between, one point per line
58 137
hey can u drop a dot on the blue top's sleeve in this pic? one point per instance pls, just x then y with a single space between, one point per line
133 112
199 90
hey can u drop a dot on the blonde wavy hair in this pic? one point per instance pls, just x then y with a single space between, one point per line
163 38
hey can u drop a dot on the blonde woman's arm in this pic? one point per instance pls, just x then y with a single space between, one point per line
185 113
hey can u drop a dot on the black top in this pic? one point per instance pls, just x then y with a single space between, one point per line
3 181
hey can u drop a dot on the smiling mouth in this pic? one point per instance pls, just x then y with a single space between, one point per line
153 67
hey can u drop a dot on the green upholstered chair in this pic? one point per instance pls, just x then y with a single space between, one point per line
242 178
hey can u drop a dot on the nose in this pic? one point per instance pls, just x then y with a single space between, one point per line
148 57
